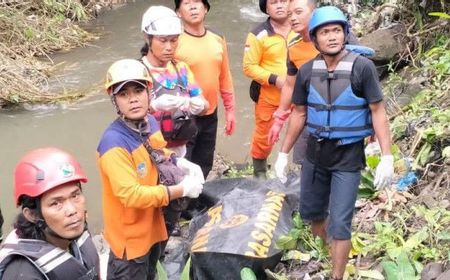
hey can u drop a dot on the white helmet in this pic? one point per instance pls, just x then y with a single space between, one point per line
160 20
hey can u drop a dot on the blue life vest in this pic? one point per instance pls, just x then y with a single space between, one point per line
334 111
51 261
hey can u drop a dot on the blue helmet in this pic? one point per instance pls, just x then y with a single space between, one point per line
326 15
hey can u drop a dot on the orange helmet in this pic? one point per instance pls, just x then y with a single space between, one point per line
44 169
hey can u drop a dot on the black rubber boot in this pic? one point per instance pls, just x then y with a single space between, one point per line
260 168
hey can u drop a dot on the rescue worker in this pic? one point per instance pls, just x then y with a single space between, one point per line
206 53
339 99
132 197
264 62
50 238
300 50
176 97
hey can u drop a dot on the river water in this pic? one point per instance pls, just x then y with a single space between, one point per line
77 127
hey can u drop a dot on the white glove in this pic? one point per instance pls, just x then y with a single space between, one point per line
191 169
167 103
191 186
384 173
196 105
280 166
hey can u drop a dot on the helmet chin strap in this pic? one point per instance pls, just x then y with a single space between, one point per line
140 126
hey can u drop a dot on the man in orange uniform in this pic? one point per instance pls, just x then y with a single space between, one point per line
132 195
300 50
206 54
265 62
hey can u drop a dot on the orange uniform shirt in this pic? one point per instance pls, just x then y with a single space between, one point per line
132 199
207 57
299 52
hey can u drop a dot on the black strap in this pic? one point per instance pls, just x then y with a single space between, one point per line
321 128
330 107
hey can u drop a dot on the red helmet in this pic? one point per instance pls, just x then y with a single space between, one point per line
44 169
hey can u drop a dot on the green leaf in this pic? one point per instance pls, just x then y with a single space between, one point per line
372 274
405 270
415 240
295 233
29 33
443 235
247 274
390 269
286 242
372 161
365 192
439 14
161 272
296 255
297 220
186 270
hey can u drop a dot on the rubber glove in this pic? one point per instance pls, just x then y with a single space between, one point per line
280 166
191 169
196 105
230 117
384 172
279 118
167 103
192 187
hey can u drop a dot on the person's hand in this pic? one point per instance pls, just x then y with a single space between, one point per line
167 103
196 105
279 117
280 166
230 122
192 187
384 172
191 169
274 132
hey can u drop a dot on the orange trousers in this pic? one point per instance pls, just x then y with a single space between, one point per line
260 148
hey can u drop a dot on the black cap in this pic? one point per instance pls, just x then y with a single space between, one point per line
262 6
205 2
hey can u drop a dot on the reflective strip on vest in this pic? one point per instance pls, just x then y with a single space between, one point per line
52 261
334 111
56 262
82 238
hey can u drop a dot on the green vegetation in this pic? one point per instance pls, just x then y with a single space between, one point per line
36 28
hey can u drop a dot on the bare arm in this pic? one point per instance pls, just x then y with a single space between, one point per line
286 93
295 127
381 126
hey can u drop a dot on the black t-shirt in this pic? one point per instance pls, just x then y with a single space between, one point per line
329 154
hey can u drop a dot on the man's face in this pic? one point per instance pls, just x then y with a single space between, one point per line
192 11
299 13
132 101
330 38
277 9
64 210
163 48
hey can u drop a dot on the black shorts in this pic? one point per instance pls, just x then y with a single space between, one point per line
329 193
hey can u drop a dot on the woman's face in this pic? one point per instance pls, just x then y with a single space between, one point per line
162 48
132 101
64 210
